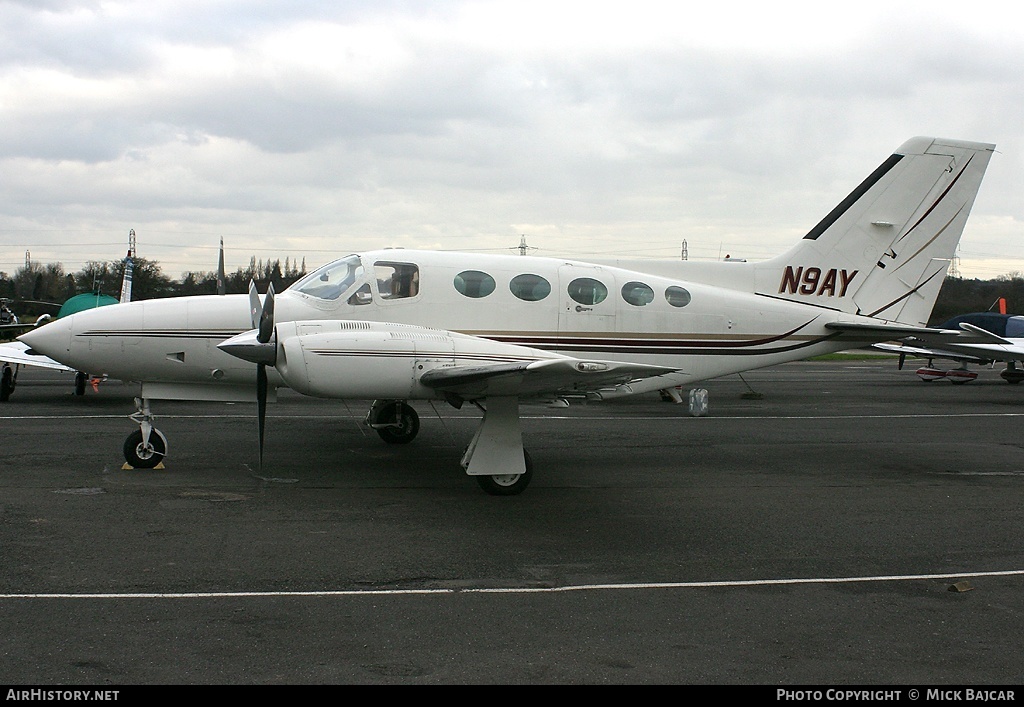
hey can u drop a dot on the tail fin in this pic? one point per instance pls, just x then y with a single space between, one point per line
884 250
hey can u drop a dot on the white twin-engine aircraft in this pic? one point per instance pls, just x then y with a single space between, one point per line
494 330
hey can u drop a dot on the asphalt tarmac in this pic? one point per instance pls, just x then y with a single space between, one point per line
845 524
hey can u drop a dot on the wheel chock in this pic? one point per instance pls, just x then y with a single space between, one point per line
126 466
962 586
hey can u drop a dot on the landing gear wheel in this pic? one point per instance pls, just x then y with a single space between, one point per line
80 379
1012 374
141 456
508 484
405 419
6 384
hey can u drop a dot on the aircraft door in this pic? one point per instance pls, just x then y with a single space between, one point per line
588 300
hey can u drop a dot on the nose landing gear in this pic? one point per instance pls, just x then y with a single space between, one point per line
146 447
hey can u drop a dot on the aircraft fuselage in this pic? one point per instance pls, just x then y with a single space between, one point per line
570 307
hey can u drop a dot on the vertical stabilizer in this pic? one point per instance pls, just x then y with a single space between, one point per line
884 250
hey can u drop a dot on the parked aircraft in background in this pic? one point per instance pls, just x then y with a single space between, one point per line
494 330
1002 337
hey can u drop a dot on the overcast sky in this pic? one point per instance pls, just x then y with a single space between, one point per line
313 129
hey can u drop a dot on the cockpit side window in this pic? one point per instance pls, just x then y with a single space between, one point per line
397 280
361 296
332 280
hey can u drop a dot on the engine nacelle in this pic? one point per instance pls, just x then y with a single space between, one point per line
364 360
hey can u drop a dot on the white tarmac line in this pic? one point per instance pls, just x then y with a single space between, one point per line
521 590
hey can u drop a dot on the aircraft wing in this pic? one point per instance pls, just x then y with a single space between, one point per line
560 376
19 353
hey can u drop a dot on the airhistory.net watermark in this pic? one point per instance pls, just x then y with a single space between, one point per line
46 695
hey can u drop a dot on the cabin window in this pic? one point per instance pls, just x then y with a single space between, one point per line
531 288
332 280
586 290
637 293
677 296
397 280
473 283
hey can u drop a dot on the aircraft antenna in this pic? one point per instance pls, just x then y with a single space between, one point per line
684 255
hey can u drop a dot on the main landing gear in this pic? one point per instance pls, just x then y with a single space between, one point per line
8 382
495 457
1011 374
395 421
146 447
80 380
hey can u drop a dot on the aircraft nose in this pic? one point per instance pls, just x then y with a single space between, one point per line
52 339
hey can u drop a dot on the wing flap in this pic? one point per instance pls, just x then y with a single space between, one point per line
537 378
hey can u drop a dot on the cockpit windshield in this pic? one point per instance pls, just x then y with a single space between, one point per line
332 280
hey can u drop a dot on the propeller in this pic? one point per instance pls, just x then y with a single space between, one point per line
258 346
265 336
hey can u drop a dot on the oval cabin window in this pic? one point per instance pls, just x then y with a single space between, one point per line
531 288
473 283
588 291
677 296
637 293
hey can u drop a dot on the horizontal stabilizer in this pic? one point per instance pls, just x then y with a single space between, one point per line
919 352
883 330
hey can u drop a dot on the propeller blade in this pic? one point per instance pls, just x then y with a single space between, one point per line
255 308
261 403
266 325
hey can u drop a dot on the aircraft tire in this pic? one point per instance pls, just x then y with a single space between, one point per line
6 384
508 484
80 379
407 419
138 456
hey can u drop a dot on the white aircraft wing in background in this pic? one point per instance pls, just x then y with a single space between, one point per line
15 352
